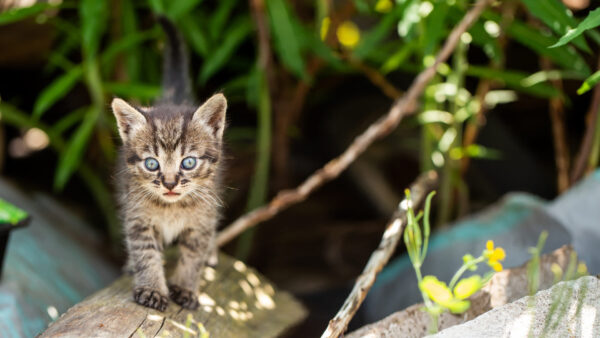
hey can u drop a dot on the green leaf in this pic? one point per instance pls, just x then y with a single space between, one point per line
287 45
399 57
94 15
133 58
371 39
195 35
434 25
124 43
10 214
362 6
219 57
589 83
219 18
568 58
16 14
157 6
488 43
71 158
12 116
69 120
556 16
178 8
410 18
514 79
313 43
56 90
590 22
132 90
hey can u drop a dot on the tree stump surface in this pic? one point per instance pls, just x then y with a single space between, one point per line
235 301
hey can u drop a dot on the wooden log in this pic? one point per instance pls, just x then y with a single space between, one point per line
235 301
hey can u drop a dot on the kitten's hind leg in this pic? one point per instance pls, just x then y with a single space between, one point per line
194 248
145 257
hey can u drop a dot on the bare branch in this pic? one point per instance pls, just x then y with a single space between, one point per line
557 117
393 232
580 165
383 126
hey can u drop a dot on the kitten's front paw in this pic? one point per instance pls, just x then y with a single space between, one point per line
183 297
150 298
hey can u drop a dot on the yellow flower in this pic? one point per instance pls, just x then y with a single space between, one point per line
439 292
494 255
348 34
467 286
436 290
383 6
325 27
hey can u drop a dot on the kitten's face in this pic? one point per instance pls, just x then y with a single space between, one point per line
173 153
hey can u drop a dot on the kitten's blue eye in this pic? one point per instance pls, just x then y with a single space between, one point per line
188 163
151 164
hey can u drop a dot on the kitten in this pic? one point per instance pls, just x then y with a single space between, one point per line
169 182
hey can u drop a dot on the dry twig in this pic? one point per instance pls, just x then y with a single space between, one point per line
383 126
393 232
580 165
557 117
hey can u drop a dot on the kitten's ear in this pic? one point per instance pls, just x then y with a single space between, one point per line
212 114
129 119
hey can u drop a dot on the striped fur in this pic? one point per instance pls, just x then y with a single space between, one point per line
153 220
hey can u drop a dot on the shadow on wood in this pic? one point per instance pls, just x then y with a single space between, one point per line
235 301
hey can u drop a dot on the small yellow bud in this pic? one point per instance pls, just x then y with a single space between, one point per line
348 34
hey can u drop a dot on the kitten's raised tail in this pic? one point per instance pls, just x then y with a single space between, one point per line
176 84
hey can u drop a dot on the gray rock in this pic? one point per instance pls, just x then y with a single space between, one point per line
568 309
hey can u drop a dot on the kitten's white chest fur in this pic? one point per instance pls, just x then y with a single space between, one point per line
170 222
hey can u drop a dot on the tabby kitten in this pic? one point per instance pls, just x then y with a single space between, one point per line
169 183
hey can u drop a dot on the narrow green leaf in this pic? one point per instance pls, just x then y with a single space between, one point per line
124 43
399 57
69 120
252 88
219 18
488 43
156 6
362 6
556 16
132 90
16 14
589 83
56 90
568 58
590 22
94 15
372 39
133 59
312 42
219 57
287 45
71 158
434 27
514 79
177 9
195 34
410 19
14 117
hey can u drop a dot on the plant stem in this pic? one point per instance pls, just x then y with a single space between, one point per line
462 270
259 185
